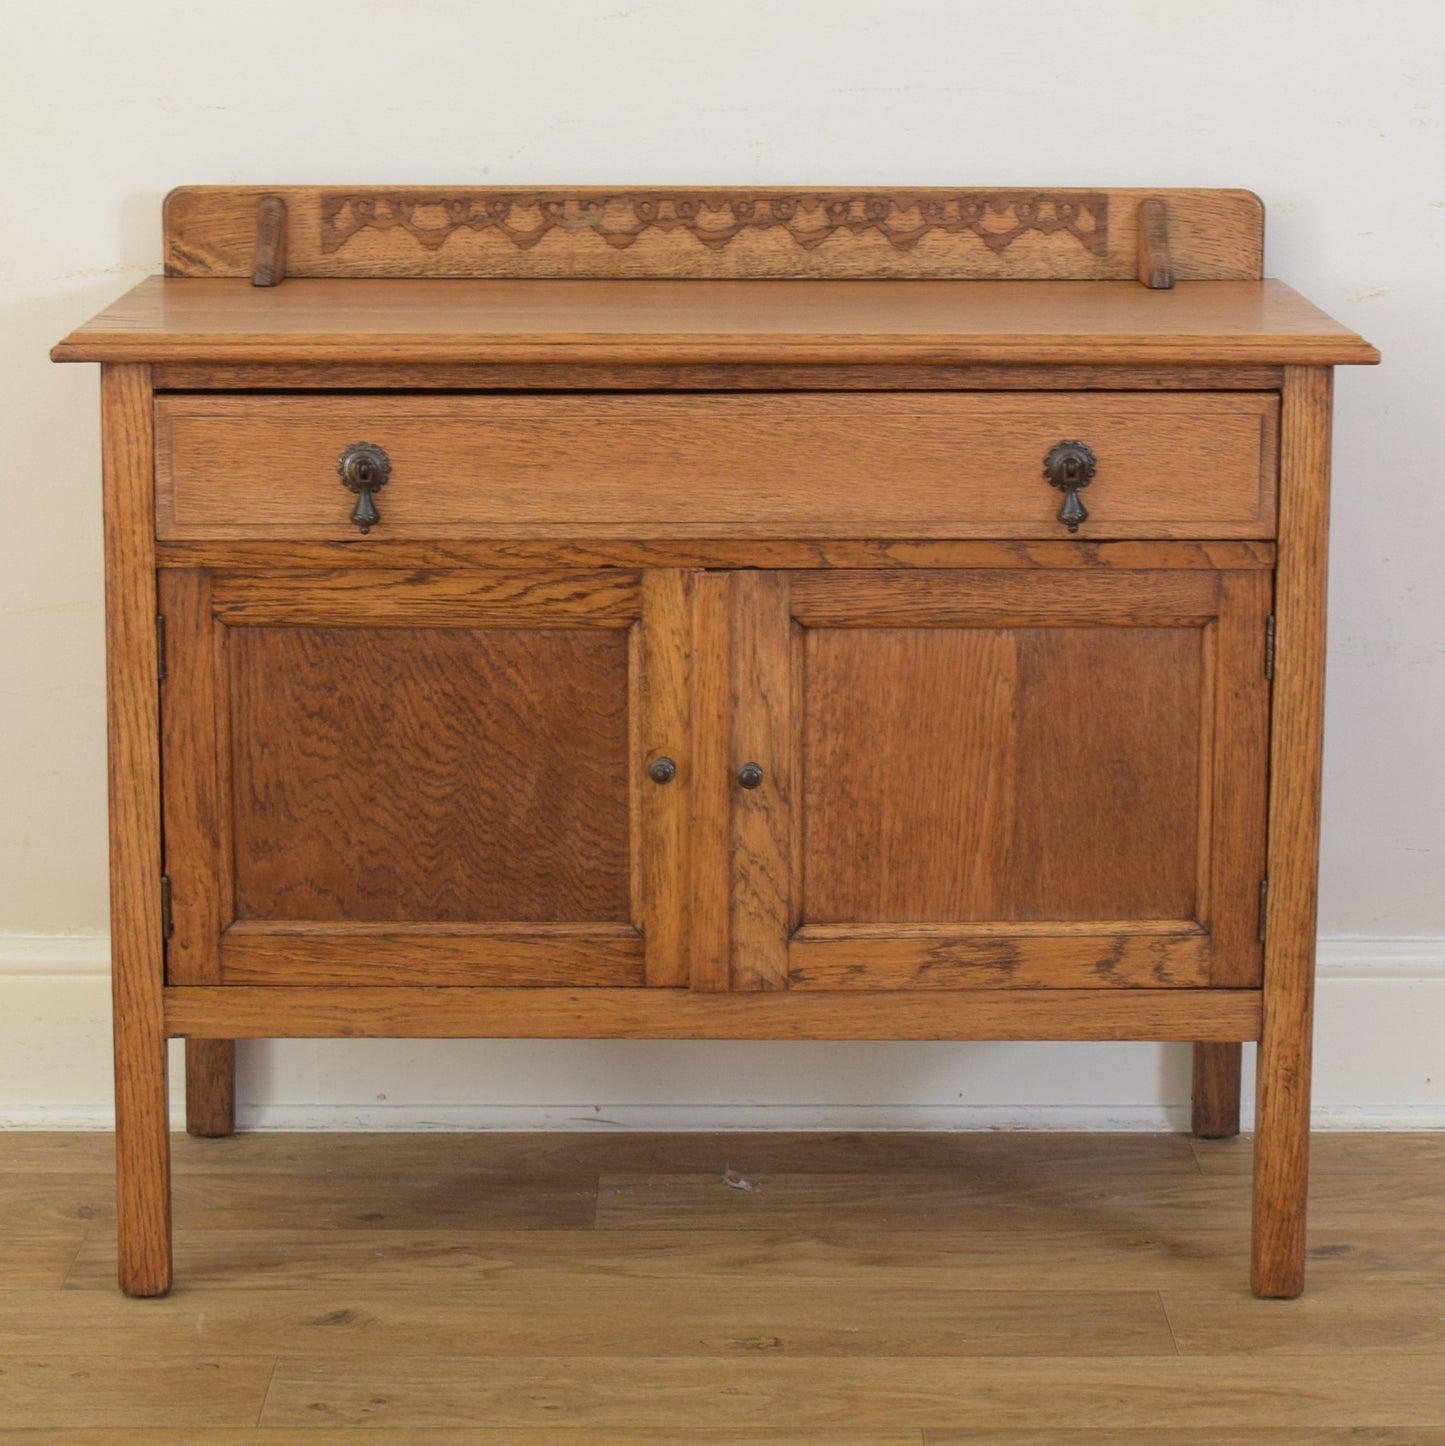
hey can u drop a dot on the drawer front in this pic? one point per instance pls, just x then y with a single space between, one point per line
769 465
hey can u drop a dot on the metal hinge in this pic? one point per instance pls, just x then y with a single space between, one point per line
1269 646
1263 906
160 647
168 924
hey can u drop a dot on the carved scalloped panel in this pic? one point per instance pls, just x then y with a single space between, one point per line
677 232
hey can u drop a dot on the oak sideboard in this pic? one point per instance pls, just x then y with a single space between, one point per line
716 614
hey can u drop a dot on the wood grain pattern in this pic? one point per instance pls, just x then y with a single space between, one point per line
1155 255
959 598
196 755
1049 1392
133 728
433 775
1049 774
663 834
1236 798
1215 1092
540 955
688 323
268 266
764 820
998 957
426 597
954 465
210 1088
461 554
1282 1107
712 712
720 377
601 231
1105 1260
235 1012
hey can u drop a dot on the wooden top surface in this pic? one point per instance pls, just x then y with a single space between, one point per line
171 319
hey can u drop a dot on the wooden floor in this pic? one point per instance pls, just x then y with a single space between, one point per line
864 1290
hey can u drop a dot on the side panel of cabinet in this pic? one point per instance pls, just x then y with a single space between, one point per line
1008 779
423 778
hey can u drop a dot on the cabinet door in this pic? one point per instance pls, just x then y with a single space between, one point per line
438 777
1023 778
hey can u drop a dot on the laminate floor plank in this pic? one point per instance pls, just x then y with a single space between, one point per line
1020 1258
869 1317
1184 1436
547 1154
997 1259
1420 1154
137 1388
1332 1317
245 1200
30 1262
882 1392
742 1291
549 1435
904 1201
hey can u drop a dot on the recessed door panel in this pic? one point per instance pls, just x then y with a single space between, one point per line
1001 774
436 778
1025 778
430 775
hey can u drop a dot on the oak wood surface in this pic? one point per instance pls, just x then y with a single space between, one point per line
132 731
426 597
1283 1062
237 1012
465 555
662 831
735 231
1048 773
845 956
386 322
433 775
762 864
913 465
725 376
710 947
210 1087
1155 254
1214 1091
539 954
196 755
1053 770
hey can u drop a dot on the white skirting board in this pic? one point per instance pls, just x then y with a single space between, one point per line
1379 1064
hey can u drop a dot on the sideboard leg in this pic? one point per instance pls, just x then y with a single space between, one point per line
1216 1090
210 1087
142 1159
1282 1107
142 1141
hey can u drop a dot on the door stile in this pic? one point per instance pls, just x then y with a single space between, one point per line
194 793
764 818
662 810
1238 805
711 783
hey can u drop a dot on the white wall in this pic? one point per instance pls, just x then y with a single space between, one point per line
1331 109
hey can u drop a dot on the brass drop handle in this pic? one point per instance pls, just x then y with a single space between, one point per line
1070 466
750 775
364 468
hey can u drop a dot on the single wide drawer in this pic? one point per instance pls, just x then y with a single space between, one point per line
833 464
